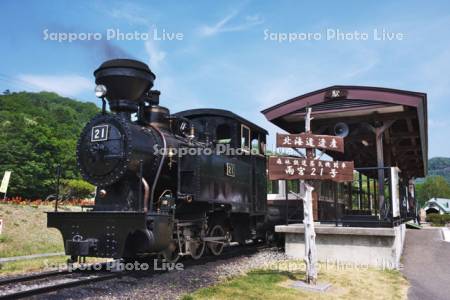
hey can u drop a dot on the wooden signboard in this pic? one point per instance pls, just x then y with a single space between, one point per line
311 141
306 168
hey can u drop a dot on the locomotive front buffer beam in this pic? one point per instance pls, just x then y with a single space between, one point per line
111 234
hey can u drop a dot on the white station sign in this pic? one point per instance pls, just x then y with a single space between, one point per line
5 182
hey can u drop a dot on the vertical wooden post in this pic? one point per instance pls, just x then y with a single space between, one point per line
286 192
310 234
308 217
380 166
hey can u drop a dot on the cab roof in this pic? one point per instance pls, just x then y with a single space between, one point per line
204 112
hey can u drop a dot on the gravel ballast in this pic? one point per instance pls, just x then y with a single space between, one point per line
173 284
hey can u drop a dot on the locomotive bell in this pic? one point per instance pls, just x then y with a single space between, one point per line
341 129
126 81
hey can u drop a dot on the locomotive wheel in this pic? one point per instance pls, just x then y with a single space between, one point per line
172 253
197 248
216 247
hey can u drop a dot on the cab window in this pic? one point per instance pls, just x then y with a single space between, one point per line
223 134
255 146
262 147
245 137
255 143
258 143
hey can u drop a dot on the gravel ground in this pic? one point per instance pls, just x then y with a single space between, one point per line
173 284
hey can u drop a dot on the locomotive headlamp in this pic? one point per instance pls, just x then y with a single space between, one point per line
100 91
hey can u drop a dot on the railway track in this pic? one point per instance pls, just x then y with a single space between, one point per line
46 282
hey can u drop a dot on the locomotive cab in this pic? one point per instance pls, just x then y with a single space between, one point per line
233 176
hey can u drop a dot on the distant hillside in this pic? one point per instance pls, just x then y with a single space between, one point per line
439 166
37 132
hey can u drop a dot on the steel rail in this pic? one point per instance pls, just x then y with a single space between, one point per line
54 287
23 278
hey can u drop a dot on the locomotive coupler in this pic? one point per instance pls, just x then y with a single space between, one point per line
79 247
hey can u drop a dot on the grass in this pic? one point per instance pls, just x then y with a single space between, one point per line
33 265
351 283
25 232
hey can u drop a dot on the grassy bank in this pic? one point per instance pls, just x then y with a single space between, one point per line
25 232
351 283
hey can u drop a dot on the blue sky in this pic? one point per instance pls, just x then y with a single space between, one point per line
224 59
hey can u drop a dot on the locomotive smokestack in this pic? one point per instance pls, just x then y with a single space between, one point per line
126 82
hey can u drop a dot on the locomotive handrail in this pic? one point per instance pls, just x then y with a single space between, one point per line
158 172
141 182
146 193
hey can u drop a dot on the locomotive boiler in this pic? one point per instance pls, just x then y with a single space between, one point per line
162 185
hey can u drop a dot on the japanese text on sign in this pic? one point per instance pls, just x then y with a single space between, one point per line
307 140
305 168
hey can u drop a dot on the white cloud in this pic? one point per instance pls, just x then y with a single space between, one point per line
65 85
224 26
128 16
155 55
129 12
360 67
280 89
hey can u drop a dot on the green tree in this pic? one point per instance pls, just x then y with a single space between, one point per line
38 131
77 189
432 187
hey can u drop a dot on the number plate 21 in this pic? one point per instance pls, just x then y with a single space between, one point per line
230 170
99 133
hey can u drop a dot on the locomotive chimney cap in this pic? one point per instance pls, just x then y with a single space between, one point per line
124 79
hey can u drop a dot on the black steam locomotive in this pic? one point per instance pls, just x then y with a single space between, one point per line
150 199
